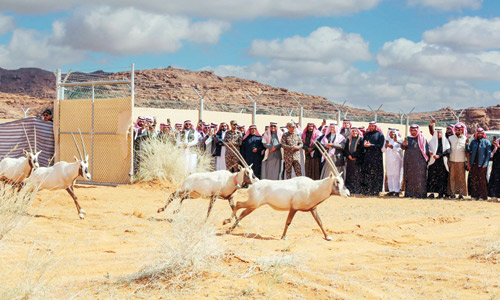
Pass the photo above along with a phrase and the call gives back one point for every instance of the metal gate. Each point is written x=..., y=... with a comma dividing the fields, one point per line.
x=104, y=117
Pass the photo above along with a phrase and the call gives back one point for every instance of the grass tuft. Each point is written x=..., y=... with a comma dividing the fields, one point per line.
x=161, y=160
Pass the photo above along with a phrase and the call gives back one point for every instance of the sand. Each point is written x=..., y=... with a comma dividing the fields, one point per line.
x=382, y=248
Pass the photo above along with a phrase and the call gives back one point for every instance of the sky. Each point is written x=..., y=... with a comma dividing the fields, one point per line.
x=427, y=54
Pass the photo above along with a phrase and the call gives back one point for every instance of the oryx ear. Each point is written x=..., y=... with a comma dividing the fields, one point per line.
x=25, y=152
x=38, y=153
x=331, y=174
x=340, y=175
x=87, y=157
x=250, y=166
x=76, y=158
x=239, y=167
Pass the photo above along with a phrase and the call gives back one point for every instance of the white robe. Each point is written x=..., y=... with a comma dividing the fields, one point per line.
x=220, y=161
x=393, y=166
x=190, y=157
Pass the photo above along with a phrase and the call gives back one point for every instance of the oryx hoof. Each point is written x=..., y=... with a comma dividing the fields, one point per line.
x=328, y=238
x=226, y=221
x=82, y=214
x=283, y=237
x=160, y=210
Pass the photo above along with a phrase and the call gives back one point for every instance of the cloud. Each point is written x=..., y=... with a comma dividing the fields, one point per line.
x=219, y=9
x=448, y=5
x=468, y=33
x=131, y=31
x=6, y=24
x=325, y=44
x=439, y=61
x=29, y=48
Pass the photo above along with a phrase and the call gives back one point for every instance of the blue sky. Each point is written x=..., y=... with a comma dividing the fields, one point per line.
x=403, y=53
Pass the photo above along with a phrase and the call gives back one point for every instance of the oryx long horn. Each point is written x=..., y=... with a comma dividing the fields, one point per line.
x=83, y=144
x=243, y=161
x=27, y=138
x=35, y=139
x=77, y=147
x=327, y=158
x=235, y=152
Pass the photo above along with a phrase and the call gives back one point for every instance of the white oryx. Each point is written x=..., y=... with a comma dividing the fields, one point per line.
x=15, y=170
x=296, y=194
x=222, y=184
x=62, y=175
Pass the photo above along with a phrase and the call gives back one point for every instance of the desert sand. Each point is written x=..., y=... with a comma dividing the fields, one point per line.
x=382, y=248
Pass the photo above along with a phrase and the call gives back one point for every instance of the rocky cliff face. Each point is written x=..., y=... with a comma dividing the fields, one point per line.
x=174, y=88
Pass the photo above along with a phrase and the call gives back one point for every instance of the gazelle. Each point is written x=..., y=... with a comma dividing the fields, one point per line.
x=15, y=170
x=62, y=175
x=222, y=184
x=292, y=195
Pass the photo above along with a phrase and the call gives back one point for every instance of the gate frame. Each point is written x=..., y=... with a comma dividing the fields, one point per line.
x=61, y=84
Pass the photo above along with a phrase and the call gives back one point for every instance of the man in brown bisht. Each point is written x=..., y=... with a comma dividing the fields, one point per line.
x=313, y=156
x=291, y=144
x=415, y=163
x=233, y=137
x=458, y=161
x=480, y=150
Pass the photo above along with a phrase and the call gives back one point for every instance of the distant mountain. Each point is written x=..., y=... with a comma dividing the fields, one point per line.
x=173, y=87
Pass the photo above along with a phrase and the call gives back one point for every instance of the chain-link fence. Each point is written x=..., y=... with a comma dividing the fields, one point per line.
x=101, y=109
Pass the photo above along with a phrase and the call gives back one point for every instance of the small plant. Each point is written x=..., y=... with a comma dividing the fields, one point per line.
x=159, y=159
x=189, y=249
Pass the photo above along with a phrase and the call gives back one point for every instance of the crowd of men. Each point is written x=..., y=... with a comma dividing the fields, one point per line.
x=421, y=168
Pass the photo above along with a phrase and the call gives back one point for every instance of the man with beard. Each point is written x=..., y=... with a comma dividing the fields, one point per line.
x=188, y=138
x=450, y=129
x=271, y=141
x=335, y=144
x=373, y=160
x=458, y=161
x=354, y=154
x=220, y=149
x=480, y=150
x=393, y=161
x=252, y=149
x=233, y=138
x=313, y=156
x=346, y=128
x=415, y=163
x=291, y=144
x=437, y=174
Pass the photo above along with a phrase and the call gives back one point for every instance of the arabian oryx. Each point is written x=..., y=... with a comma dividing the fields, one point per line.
x=62, y=175
x=215, y=184
x=296, y=194
x=15, y=170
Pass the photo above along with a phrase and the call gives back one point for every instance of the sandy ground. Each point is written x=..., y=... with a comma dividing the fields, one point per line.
x=381, y=248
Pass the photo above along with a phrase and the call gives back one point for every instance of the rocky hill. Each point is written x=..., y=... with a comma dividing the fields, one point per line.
x=173, y=87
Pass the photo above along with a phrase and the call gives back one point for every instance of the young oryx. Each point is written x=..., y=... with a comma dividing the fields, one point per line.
x=15, y=170
x=220, y=183
x=62, y=175
x=296, y=194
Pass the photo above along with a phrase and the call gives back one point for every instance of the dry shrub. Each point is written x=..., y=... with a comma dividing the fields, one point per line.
x=160, y=159
x=27, y=280
x=12, y=206
x=188, y=250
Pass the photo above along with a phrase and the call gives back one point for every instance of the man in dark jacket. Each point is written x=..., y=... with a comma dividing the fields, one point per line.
x=480, y=153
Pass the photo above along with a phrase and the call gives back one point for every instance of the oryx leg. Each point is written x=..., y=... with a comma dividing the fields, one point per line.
x=184, y=196
x=81, y=212
x=169, y=200
x=211, y=205
x=233, y=214
x=245, y=213
x=291, y=214
x=314, y=212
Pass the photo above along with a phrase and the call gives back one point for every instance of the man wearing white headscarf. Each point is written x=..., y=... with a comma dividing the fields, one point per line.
x=188, y=138
x=291, y=144
x=271, y=141
x=458, y=161
x=220, y=149
x=373, y=160
x=393, y=161
x=480, y=150
x=437, y=173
